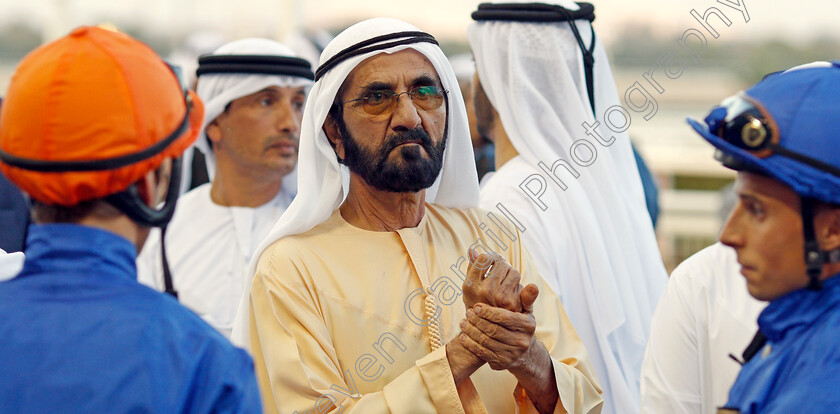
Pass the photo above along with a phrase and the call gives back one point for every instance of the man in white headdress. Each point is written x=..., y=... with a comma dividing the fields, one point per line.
x=572, y=184
x=254, y=91
x=356, y=303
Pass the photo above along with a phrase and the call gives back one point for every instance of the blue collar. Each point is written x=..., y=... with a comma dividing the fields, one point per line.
x=65, y=248
x=798, y=310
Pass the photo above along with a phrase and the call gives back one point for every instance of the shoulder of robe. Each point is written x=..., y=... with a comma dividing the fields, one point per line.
x=702, y=268
x=295, y=244
x=471, y=215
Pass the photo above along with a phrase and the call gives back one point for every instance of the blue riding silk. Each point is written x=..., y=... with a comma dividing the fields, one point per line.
x=798, y=371
x=78, y=334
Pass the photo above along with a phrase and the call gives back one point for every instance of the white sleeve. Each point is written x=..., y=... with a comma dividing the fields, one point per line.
x=674, y=371
x=10, y=264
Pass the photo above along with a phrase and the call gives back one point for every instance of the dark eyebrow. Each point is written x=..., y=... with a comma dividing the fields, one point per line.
x=377, y=87
x=749, y=197
x=425, y=80
x=264, y=92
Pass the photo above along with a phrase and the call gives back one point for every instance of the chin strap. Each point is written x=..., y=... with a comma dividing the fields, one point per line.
x=758, y=342
x=167, y=274
x=813, y=254
x=131, y=204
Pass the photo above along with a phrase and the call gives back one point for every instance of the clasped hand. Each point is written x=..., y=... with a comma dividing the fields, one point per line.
x=499, y=327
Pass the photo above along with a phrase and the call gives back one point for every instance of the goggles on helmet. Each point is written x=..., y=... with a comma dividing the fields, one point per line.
x=743, y=122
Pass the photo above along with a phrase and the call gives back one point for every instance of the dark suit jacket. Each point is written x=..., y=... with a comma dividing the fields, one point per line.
x=14, y=217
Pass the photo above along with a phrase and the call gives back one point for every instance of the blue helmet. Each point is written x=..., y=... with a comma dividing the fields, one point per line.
x=786, y=127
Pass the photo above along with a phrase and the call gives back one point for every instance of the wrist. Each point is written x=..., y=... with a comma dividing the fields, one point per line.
x=462, y=362
x=533, y=365
x=536, y=376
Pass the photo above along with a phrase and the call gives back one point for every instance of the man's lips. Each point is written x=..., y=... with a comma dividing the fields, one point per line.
x=285, y=147
x=746, y=268
x=417, y=142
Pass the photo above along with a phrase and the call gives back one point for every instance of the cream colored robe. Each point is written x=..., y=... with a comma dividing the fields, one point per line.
x=339, y=321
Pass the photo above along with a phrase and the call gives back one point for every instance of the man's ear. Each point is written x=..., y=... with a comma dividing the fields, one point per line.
x=828, y=223
x=147, y=187
x=214, y=131
x=155, y=183
x=487, y=119
x=333, y=133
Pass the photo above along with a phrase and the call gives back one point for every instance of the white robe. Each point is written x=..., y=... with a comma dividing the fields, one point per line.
x=208, y=247
x=573, y=250
x=705, y=314
x=588, y=227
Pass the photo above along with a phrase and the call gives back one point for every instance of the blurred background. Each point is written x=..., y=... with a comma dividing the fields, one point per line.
x=641, y=37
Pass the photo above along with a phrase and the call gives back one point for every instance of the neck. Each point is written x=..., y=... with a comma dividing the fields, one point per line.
x=121, y=226
x=829, y=270
x=371, y=209
x=504, y=151
x=234, y=188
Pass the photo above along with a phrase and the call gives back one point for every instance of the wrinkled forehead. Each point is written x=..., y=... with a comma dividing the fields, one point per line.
x=403, y=68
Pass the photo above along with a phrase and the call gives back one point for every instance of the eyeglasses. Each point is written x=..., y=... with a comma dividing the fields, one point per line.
x=745, y=124
x=380, y=102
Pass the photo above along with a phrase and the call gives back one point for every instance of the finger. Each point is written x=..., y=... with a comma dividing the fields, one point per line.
x=514, y=321
x=503, y=292
x=481, y=264
x=499, y=270
x=511, y=280
x=478, y=265
x=528, y=296
x=471, y=345
x=498, y=333
x=482, y=338
x=480, y=260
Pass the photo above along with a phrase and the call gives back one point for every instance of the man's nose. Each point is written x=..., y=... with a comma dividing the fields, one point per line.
x=286, y=118
x=732, y=234
x=405, y=114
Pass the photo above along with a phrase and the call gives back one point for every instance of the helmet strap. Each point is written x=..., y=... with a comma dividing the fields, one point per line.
x=813, y=254
x=167, y=274
x=132, y=205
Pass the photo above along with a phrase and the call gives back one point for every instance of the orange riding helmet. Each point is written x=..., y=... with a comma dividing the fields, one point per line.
x=88, y=115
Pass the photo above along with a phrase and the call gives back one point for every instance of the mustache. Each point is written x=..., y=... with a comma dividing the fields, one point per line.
x=418, y=135
x=276, y=139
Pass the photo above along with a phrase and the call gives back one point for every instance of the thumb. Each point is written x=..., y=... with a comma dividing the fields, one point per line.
x=528, y=296
x=473, y=254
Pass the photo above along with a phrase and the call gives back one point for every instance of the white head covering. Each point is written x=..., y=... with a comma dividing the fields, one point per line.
x=533, y=74
x=217, y=90
x=323, y=183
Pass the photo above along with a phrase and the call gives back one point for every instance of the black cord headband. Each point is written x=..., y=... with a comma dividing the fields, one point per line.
x=548, y=13
x=370, y=46
x=254, y=64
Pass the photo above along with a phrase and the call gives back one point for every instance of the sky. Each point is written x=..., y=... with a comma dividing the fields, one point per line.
x=446, y=19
